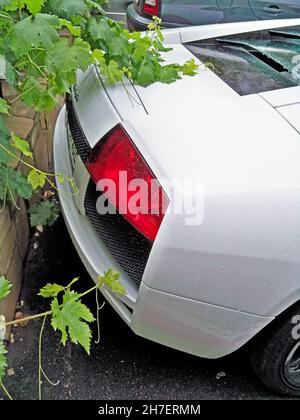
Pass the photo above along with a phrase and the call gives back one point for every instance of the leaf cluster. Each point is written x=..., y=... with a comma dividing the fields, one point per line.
x=70, y=315
x=41, y=65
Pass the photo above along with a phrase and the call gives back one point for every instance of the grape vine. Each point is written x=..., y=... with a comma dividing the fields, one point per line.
x=67, y=313
x=44, y=44
x=41, y=65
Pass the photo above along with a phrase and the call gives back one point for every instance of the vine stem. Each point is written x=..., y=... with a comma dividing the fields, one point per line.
x=27, y=318
x=7, y=17
x=49, y=380
x=40, y=357
x=131, y=98
x=98, y=316
x=23, y=93
x=12, y=196
x=5, y=194
x=91, y=289
x=46, y=174
x=37, y=67
x=63, y=193
x=44, y=315
x=24, y=162
x=5, y=391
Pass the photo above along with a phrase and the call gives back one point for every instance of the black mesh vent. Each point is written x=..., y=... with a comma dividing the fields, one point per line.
x=128, y=246
x=77, y=133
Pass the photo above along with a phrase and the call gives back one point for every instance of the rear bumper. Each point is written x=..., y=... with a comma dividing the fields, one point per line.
x=191, y=326
x=136, y=22
x=188, y=325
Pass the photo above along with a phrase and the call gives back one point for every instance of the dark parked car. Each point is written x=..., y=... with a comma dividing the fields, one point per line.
x=176, y=13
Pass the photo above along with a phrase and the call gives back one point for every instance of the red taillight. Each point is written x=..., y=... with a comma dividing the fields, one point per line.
x=118, y=160
x=151, y=7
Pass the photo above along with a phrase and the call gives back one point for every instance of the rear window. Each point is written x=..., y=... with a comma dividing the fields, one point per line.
x=253, y=62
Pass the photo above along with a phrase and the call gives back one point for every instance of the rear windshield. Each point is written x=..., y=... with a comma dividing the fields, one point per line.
x=254, y=62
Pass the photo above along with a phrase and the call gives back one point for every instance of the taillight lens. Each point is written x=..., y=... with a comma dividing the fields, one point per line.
x=151, y=7
x=117, y=159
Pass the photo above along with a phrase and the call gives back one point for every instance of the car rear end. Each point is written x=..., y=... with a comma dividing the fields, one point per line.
x=140, y=13
x=109, y=240
x=150, y=262
x=205, y=289
x=174, y=14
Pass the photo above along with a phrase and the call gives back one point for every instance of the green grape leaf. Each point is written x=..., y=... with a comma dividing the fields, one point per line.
x=100, y=29
x=34, y=6
x=72, y=319
x=5, y=287
x=3, y=360
x=12, y=5
x=51, y=290
x=118, y=288
x=4, y=107
x=22, y=145
x=160, y=47
x=118, y=46
x=169, y=74
x=74, y=30
x=95, y=5
x=111, y=280
x=67, y=8
x=36, y=179
x=60, y=178
x=112, y=71
x=97, y=55
x=34, y=32
x=36, y=96
x=64, y=59
x=12, y=184
x=43, y=214
x=190, y=68
x=147, y=72
x=139, y=53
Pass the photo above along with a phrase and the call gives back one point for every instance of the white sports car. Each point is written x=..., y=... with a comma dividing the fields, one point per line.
x=212, y=261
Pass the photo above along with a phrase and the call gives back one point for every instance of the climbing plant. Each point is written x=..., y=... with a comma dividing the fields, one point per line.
x=40, y=65
x=67, y=314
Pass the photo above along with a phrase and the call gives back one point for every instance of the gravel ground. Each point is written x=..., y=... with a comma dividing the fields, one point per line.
x=122, y=366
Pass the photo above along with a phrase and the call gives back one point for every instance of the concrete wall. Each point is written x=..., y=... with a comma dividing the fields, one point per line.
x=14, y=226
